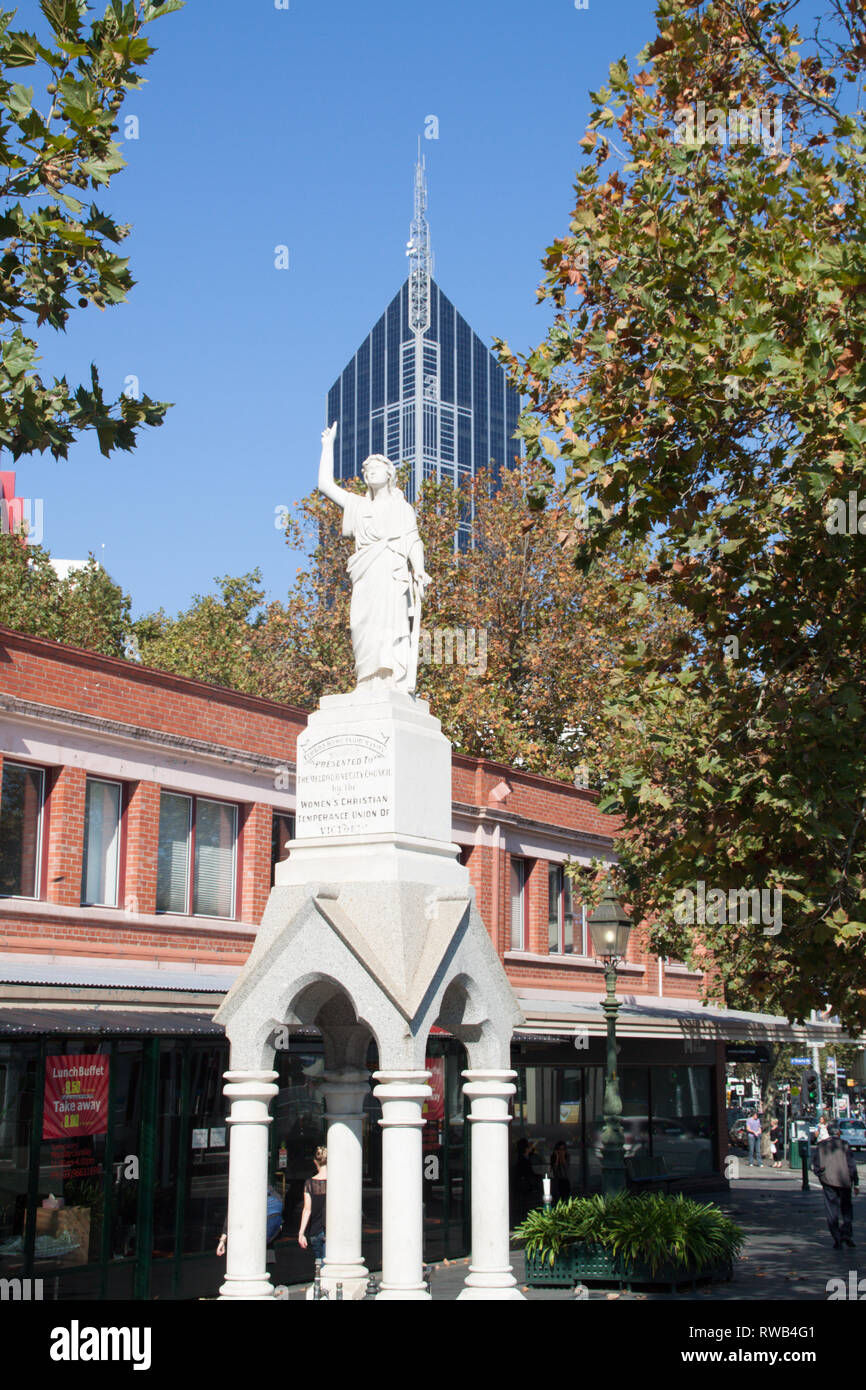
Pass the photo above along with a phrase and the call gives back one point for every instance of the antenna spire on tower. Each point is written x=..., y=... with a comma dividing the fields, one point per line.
x=418, y=251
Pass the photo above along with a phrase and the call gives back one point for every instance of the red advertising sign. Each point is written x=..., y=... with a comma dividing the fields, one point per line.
x=434, y=1108
x=76, y=1096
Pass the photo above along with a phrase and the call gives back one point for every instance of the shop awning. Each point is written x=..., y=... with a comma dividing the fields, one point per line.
x=29, y=1020
x=557, y=1014
x=106, y=974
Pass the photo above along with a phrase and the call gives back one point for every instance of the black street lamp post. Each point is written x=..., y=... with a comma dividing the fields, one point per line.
x=609, y=928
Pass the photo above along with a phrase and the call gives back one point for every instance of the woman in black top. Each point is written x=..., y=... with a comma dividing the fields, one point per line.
x=313, y=1214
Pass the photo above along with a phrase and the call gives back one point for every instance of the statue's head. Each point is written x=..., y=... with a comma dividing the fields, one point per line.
x=377, y=471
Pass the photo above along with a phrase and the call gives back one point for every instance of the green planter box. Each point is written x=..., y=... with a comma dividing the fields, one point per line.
x=574, y=1265
x=593, y=1262
x=540, y=1273
x=584, y=1264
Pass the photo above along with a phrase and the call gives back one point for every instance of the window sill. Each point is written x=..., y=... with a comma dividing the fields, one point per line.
x=576, y=962
x=37, y=908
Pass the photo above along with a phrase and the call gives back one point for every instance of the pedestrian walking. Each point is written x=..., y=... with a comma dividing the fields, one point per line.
x=837, y=1173
x=753, y=1133
x=823, y=1130
x=274, y=1220
x=776, y=1143
x=527, y=1184
x=313, y=1212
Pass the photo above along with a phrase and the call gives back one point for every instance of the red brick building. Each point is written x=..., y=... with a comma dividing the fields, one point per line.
x=141, y=818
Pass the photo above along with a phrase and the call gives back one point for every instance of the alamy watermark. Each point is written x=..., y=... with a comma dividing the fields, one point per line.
x=22, y=516
x=454, y=646
x=715, y=907
x=855, y=1289
x=732, y=125
x=847, y=516
x=21, y=1290
x=77, y=1343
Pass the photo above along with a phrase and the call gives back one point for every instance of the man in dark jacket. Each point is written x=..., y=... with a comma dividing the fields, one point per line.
x=837, y=1172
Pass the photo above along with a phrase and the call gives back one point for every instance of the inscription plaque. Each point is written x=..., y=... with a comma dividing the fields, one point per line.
x=345, y=784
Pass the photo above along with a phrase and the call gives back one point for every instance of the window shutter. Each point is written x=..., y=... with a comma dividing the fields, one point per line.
x=554, y=908
x=215, y=837
x=567, y=914
x=173, y=863
x=518, y=884
x=101, y=843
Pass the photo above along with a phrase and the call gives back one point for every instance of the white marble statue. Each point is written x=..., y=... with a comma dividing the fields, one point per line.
x=386, y=569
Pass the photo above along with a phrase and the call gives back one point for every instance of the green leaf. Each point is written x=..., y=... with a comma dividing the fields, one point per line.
x=19, y=100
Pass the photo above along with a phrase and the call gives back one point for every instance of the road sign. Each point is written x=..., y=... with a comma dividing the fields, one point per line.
x=801, y=1061
x=746, y=1052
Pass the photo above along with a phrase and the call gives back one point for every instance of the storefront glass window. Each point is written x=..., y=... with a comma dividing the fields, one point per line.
x=18, y=1070
x=126, y=1148
x=71, y=1190
x=207, y=1155
x=682, y=1126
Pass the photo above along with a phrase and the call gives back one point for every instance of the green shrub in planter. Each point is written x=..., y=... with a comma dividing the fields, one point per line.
x=651, y=1229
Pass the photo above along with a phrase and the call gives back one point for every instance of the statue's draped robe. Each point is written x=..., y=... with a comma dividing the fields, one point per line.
x=384, y=534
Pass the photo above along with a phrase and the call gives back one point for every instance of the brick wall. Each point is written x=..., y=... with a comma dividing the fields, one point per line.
x=142, y=844
x=537, y=906
x=71, y=679
x=65, y=798
x=118, y=938
x=256, y=870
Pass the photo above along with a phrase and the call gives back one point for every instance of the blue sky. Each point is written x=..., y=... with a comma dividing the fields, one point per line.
x=261, y=127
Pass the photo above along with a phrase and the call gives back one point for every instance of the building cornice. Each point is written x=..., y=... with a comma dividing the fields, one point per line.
x=489, y=815
x=50, y=716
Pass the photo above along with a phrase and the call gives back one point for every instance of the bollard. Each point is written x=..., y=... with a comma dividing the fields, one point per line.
x=804, y=1160
x=318, y=1291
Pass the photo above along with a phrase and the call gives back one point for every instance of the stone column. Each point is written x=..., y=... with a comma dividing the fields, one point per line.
x=344, y=1093
x=250, y=1093
x=490, y=1275
x=402, y=1094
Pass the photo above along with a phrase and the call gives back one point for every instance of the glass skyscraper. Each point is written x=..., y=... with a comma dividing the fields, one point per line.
x=423, y=388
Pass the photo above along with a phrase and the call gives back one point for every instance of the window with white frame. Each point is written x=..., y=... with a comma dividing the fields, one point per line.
x=100, y=870
x=22, y=797
x=197, y=861
x=566, y=920
x=518, y=904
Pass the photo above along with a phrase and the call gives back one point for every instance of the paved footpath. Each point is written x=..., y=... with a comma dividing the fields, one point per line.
x=788, y=1252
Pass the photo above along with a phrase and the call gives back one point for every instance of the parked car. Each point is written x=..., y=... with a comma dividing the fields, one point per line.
x=737, y=1135
x=854, y=1134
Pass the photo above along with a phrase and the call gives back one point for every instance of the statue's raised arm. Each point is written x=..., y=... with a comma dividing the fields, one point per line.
x=326, y=469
